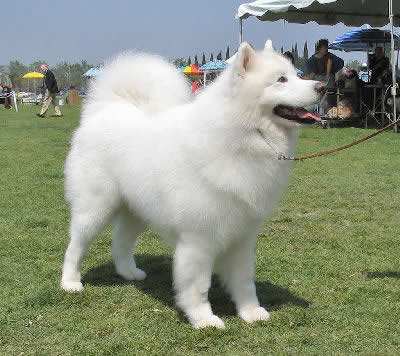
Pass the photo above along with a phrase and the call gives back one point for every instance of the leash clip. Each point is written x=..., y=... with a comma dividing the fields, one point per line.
x=282, y=157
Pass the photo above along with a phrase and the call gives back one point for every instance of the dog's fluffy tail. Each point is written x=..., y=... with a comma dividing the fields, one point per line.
x=146, y=81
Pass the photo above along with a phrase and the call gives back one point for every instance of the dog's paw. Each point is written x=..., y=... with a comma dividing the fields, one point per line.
x=211, y=321
x=70, y=286
x=133, y=274
x=252, y=314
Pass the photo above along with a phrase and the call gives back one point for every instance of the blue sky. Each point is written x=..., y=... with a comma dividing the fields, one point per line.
x=73, y=30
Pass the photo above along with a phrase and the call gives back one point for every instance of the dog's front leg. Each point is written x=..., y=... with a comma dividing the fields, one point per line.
x=236, y=270
x=193, y=265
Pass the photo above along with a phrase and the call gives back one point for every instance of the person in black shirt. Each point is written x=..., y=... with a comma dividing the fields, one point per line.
x=51, y=91
x=322, y=64
x=379, y=65
x=322, y=70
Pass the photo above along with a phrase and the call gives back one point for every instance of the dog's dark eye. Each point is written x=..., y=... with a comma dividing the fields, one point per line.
x=282, y=79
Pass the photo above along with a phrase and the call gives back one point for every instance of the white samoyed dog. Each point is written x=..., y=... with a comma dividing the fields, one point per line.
x=204, y=173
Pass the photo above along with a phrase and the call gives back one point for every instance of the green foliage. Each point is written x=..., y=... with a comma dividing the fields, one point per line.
x=354, y=65
x=219, y=56
x=179, y=62
x=16, y=70
x=301, y=63
x=196, y=61
x=189, y=61
x=76, y=71
x=327, y=265
x=35, y=66
x=62, y=72
x=211, y=57
x=203, y=59
x=3, y=70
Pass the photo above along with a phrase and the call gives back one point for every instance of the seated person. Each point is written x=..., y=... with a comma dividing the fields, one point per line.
x=7, y=86
x=348, y=79
x=321, y=66
x=379, y=65
x=350, y=84
x=322, y=69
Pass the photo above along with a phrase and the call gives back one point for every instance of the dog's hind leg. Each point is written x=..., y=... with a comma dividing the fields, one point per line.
x=236, y=270
x=127, y=228
x=192, y=279
x=89, y=214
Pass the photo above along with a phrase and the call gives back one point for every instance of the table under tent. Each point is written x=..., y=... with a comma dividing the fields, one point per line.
x=371, y=98
x=330, y=12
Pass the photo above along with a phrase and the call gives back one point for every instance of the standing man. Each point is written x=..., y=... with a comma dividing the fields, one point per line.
x=51, y=90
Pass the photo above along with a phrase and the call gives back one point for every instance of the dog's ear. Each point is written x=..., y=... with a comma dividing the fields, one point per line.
x=268, y=46
x=244, y=58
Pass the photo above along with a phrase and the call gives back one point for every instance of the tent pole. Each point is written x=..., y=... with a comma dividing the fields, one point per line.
x=394, y=82
x=15, y=101
x=241, y=31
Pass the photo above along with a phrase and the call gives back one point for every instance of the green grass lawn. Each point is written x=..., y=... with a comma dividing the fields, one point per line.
x=327, y=267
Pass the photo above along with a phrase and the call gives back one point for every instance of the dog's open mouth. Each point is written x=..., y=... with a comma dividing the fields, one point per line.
x=300, y=115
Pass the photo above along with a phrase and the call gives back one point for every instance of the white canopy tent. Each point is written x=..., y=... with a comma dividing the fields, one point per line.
x=329, y=12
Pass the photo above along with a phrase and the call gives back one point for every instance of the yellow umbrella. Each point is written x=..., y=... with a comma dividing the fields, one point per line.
x=33, y=75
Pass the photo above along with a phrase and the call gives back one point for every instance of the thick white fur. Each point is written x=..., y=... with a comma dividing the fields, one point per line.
x=201, y=173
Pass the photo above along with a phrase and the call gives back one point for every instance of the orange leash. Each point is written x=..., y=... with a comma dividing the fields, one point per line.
x=283, y=157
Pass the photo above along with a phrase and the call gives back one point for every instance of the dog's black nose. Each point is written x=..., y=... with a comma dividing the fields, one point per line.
x=320, y=88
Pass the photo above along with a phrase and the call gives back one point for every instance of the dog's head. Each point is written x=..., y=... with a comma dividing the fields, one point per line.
x=268, y=82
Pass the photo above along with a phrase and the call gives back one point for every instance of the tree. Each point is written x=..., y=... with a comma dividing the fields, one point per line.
x=203, y=60
x=3, y=71
x=16, y=70
x=296, y=53
x=305, y=51
x=227, y=55
x=189, y=61
x=71, y=75
x=219, y=56
x=282, y=50
x=196, y=61
x=354, y=65
x=85, y=65
x=76, y=72
x=179, y=62
x=211, y=57
x=35, y=66
x=302, y=64
x=62, y=72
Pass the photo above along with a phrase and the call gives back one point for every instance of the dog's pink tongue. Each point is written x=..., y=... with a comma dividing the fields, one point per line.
x=304, y=114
